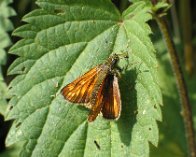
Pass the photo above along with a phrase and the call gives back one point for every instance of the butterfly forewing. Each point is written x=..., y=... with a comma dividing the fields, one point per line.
x=80, y=90
x=111, y=103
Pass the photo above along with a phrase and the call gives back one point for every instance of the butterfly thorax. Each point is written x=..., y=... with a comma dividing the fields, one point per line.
x=112, y=61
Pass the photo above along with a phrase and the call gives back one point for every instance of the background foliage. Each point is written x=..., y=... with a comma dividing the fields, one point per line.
x=57, y=44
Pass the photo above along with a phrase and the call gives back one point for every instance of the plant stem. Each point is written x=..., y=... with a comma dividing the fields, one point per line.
x=186, y=107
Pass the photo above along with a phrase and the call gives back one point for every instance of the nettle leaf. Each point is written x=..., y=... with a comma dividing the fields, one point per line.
x=5, y=26
x=62, y=40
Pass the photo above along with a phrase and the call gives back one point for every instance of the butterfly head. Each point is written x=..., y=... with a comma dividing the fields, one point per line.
x=114, y=58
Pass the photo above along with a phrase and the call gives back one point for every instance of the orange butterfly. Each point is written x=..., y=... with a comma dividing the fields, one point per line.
x=98, y=89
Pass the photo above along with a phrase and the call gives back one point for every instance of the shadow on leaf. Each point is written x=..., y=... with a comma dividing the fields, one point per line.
x=129, y=107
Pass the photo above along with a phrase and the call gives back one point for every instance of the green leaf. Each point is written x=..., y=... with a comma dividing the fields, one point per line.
x=5, y=26
x=62, y=40
x=3, y=91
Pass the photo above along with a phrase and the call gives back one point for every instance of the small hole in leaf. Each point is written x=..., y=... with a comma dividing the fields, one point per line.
x=97, y=145
x=57, y=11
x=18, y=124
x=11, y=107
x=23, y=69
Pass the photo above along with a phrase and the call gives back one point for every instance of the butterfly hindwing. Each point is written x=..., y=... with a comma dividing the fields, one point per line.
x=107, y=100
x=111, y=103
